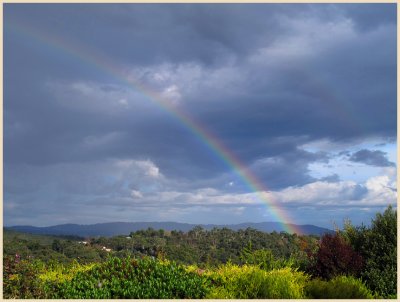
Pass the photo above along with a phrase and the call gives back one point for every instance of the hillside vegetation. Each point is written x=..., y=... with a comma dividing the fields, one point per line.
x=358, y=262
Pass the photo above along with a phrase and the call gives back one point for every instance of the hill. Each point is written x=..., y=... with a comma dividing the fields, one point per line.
x=124, y=228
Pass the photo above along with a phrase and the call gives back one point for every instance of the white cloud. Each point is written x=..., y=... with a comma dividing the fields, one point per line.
x=205, y=197
x=184, y=82
x=317, y=193
x=376, y=191
x=146, y=168
x=136, y=194
x=172, y=93
x=381, y=190
x=149, y=168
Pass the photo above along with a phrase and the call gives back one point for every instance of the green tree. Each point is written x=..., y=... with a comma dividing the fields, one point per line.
x=381, y=253
x=57, y=246
x=378, y=246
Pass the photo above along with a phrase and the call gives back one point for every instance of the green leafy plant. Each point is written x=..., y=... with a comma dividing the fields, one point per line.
x=340, y=287
x=264, y=259
x=135, y=279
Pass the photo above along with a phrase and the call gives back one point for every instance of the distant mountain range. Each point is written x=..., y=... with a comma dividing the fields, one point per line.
x=124, y=228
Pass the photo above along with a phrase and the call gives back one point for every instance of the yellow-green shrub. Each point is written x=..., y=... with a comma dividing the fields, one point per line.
x=341, y=287
x=265, y=259
x=59, y=273
x=249, y=282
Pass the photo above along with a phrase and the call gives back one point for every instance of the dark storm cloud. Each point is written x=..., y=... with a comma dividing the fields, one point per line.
x=371, y=157
x=265, y=79
x=369, y=17
x=333, y=88
x=290, y=168
x=148, y=33
x=272, y=98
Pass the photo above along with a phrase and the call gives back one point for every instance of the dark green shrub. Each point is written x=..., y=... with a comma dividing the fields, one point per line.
x=341, y=287
x=135, y=279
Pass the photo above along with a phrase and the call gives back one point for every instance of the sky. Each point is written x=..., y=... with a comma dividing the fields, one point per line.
x=199, y=113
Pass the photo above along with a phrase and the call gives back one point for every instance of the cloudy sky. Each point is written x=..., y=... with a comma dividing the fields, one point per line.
x=109, y=112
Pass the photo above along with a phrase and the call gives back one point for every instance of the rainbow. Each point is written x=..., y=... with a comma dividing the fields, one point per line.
x=104, y=65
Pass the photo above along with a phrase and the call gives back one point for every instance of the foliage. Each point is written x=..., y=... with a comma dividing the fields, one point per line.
x=59, y=273
x=264, y=259
x=33, y=278
x=340, y=287
x=336, y=257
x=207, y=247
x=248, y=282
x=378, y=246
x=20, y=278
x=62, y=249
x=200, y=246
x=135, y=279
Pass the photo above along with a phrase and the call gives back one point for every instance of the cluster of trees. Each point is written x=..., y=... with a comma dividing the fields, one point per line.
x=368, y=253
x=211, y=247
x=62, y=249
x=198, y=246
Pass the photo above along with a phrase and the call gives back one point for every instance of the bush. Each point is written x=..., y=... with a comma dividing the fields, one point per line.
x=251, y=282
x=341, y=287
x=32, y=278
x=20, y=279
x=336, y=257
x=57, y=273
x=135, y=279
x=264, y=259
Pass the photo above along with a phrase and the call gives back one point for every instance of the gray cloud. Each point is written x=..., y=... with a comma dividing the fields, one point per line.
x=371, y=157
x=331, y=178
